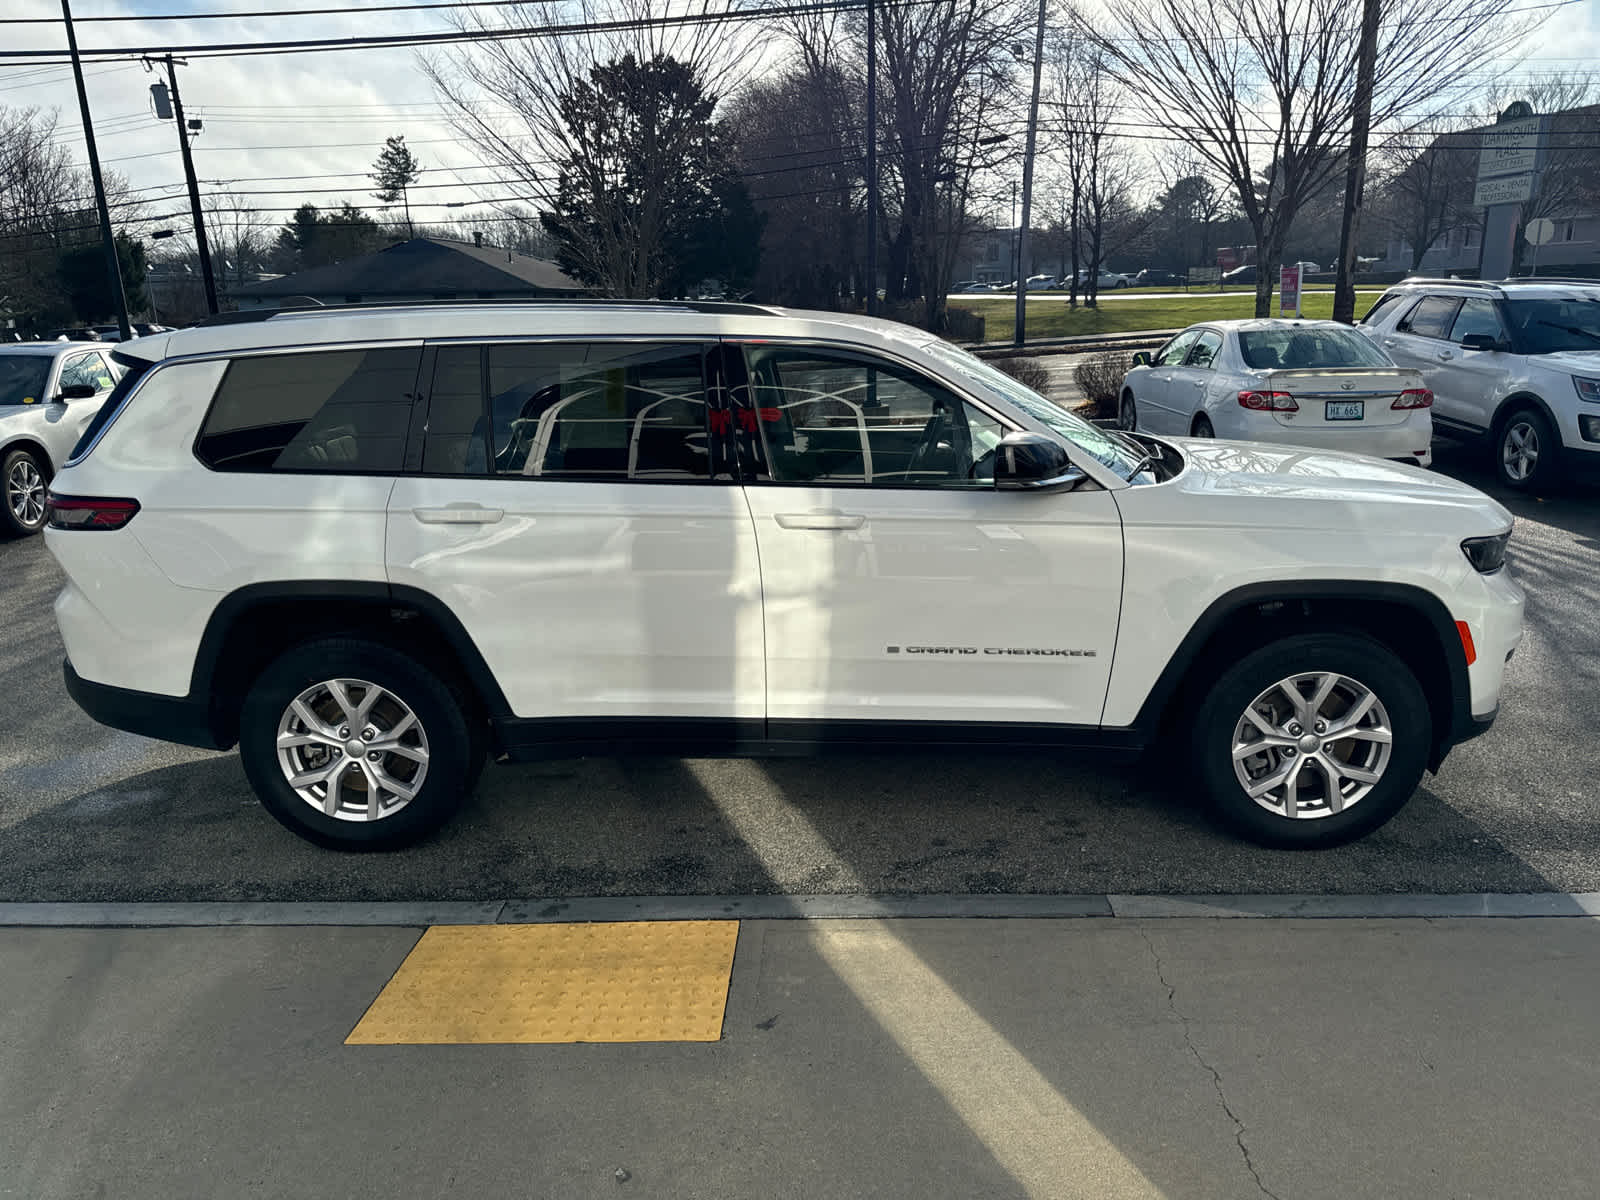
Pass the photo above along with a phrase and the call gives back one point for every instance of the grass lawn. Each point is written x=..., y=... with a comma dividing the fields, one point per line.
x=1050, y=317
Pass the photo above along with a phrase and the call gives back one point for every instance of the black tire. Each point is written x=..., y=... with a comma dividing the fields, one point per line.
x=1354, y=656
x=1203, y=428
x=1527, y=429
x=17, y=468
x=1128, y=413
x=455, y=742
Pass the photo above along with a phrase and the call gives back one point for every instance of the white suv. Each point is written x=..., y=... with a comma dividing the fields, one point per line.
x=1516, y=362
x=372, y=546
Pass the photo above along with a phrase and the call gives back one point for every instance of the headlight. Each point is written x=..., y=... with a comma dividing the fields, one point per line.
x=1588, y=389
x=1487, y=554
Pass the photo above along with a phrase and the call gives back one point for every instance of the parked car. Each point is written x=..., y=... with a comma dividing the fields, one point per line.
x=370, y=583
x=1306, y=267
x=968, y=285
x=73, y=334
x=1105, y=280
x=1159, y=277
x=49, y=392
x=1301, y=383
x=1039, y=283
x=1515, y=363
x=1244, y=274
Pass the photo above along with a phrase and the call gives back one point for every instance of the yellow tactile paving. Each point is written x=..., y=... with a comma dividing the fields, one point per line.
x=627, y=981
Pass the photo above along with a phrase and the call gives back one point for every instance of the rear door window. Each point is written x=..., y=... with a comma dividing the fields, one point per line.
x=329, y=412
x=570, y=410
x=1431, y=317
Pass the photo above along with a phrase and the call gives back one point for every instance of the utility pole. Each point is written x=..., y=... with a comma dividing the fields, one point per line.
x=872, y=158
x=200, y=243
x=113, y=267
x=1027, y=180
x=1344, y=284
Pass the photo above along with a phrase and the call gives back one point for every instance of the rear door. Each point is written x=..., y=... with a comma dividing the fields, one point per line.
x=571, y=505
x=900, y=586
x=1422, y=332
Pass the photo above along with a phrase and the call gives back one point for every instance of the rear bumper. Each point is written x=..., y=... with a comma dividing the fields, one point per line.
x=1406, y=441
x=169, y=718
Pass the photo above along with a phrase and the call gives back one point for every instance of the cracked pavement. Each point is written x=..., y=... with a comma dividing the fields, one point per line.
x=900, y=1059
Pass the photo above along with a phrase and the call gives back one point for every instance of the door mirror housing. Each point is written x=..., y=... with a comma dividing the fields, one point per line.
x=1033, y=462
x=77, y=391
x=1142, y=358
x=1482, y=341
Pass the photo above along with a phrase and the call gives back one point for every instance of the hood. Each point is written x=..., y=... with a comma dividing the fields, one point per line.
x=1322, y=488
x=1573, y=362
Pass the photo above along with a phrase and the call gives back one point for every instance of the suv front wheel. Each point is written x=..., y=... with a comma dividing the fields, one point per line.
x=355, y=746
x=1525, y=451
x=1313, y=740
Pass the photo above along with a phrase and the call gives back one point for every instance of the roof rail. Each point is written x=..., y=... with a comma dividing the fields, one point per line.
x=1591, y=281
x=246, y=316
x=1487, y=285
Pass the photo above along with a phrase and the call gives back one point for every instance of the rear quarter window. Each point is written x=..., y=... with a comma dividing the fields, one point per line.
x=329, y=412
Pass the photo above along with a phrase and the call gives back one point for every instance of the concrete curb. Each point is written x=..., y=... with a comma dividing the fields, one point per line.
x=779, y=908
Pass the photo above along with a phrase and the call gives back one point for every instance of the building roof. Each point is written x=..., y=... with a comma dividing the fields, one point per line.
x=425, y=268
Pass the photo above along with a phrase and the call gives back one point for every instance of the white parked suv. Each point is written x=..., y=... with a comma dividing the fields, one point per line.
x=372, y=546
x=1517, y=363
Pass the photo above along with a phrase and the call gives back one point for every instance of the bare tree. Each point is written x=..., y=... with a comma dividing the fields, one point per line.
x=1101, y=173
x=1429, y=194
x=1263, y=90
x=512, y=98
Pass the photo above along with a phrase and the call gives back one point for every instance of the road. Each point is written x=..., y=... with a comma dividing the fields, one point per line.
x=87, y=813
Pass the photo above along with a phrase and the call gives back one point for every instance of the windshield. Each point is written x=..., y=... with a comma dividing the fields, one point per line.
x=1299, y=348
x=1100, y=445
x=1551, y=326
x=22, y=378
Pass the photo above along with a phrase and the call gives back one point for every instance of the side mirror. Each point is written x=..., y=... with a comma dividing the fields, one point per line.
x=77, y=391
x=1482, y=341
x=1142, y=358
x=1031, y=461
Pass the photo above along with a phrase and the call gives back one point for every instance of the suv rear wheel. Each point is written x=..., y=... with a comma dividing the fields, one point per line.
x=355, y=746
x=1526, y=450
x=1313, y=740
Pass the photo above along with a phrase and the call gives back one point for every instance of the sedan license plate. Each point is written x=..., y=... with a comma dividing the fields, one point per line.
x=1345, y=410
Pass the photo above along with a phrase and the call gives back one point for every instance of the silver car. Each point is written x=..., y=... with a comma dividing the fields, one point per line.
x=49, y=391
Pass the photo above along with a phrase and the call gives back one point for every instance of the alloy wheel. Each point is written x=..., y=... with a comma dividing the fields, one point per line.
x=1312, y=745
x=352, y=750
x=25, y=492
x=1519, y=450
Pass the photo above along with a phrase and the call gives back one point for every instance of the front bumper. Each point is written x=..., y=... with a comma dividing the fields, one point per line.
x=169, y=718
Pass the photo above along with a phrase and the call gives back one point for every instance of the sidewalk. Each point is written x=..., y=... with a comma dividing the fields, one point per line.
x=1185, y=1057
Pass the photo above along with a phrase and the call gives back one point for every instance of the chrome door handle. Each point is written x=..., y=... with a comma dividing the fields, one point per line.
x=1199, y=383
x=459, y=514
x=1390, y=342
x=822, y=519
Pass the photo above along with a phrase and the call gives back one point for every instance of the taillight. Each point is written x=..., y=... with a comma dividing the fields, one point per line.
x=1414, y=398
x=1268, y=401
x=88, y=512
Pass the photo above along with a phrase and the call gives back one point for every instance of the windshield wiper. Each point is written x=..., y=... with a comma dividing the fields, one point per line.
x=1577, y=329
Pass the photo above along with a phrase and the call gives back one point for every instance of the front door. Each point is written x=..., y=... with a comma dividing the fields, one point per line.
x=573, y=508
x=899, y=585
x=1158, y=409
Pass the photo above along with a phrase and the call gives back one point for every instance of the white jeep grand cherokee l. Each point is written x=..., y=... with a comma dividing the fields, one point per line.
x=373, y=546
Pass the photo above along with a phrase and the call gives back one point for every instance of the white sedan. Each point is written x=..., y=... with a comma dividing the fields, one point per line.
x=1301, y=383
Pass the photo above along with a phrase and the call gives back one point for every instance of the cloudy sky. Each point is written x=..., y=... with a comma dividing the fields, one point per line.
x=288, y=128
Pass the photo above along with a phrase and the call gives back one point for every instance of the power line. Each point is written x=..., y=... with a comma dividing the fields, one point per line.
x=281, y=12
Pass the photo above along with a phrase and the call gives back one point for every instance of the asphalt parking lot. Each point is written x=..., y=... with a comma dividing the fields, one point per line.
x=87, y=813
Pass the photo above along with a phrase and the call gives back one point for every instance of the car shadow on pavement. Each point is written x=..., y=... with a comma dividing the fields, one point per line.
x=935, y=822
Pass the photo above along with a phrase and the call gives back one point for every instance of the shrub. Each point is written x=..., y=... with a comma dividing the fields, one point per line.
x=1099, y=378
x=1029, y=372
